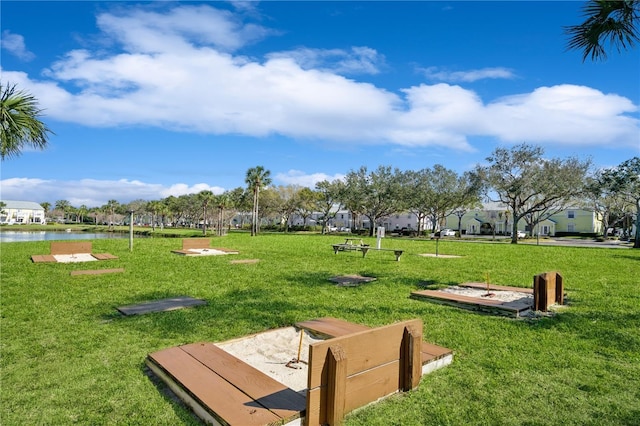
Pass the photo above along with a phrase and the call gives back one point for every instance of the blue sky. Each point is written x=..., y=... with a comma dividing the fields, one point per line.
x=166, y=98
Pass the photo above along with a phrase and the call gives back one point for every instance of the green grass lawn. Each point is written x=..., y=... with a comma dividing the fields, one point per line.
x=67, y=355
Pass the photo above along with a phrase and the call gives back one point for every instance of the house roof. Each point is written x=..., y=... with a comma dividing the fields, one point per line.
x=22, y=205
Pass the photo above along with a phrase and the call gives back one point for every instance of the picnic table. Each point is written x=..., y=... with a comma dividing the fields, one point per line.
x=357, y=244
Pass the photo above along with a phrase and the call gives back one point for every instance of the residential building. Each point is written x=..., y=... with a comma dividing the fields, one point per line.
x=21, y=212
x=498, y=216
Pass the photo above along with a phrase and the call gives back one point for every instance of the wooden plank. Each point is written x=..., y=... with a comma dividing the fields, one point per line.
x=334, y=327
x=365, y=349
x=360, y=390
x=226, y=402
x=467, y=302
x=70, y=247
x=226, y=250
x=104, y=256
x=459, y=298
x=336, y=384
x=97, y=271
x=43, y=258
x=331, y=327
x=269, y=393
x=183, y=252
x=559, y=289
x=410, y=359
x=483, y=286
x=162, y=305
x=195, y=243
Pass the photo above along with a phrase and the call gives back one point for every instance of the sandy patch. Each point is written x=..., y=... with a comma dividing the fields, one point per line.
x=70, y=258
x=502, y=295
x=207, y=252
x=444, y=256
x=270, y=352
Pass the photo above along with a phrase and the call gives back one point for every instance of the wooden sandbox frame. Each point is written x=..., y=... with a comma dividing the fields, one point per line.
x=70, y=248
x=344, y=373
x=191, y=244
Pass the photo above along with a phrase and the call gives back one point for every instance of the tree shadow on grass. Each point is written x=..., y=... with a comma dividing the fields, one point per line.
x=610, y=331
x=253, y=309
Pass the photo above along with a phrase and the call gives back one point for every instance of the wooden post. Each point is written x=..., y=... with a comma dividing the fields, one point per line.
x=336, y=385
x=559, y=289
x=411, y=359
x=545, y=290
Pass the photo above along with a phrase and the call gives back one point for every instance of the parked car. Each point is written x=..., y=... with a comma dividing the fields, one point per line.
x=521, y=234
x=446, y=232
x=410, y=232
x=333, y=228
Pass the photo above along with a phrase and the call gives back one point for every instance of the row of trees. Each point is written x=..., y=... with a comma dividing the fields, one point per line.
x=533, y=187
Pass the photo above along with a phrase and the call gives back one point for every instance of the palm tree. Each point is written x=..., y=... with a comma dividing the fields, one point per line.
x=256, y=179
x=46, y=206
x=111, y=207
x=205, y=198
x=153, y=207
x=63, y=205
x=20, y=123
x=82, y=212
x=223, y=201
x=614, y=21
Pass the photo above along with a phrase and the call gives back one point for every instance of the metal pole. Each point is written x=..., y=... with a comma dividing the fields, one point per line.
x=131, y=230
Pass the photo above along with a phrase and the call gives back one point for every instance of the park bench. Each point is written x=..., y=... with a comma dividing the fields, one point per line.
x=356, y=366
x=70, y=248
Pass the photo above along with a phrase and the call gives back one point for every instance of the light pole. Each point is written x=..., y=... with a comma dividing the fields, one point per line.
x=130, y=230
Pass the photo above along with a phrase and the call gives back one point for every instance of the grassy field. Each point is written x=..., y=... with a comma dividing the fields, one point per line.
x=67, y=355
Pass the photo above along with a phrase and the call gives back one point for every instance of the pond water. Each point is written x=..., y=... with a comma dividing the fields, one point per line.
x=22, y=236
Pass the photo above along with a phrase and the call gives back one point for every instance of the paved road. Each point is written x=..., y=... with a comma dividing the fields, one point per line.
x=574, y=242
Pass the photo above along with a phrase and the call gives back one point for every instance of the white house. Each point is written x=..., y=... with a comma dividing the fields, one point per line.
x=21, y=212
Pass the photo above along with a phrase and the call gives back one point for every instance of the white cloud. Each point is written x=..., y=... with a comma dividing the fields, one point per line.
x=176, y=71
x=92, y=192
x=359, y=60
x=297, y=177
x=469, y=76
x=14, y=44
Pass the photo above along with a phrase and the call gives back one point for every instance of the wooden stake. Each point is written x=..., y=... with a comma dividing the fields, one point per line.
x=300, y=345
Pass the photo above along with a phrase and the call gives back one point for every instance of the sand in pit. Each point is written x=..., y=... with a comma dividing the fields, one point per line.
x=502, y=295
x=71, y=258
x=208, y=252
x=270, y=352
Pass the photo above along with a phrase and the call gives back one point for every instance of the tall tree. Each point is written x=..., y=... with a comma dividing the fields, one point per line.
x=20, y=123
x=288, y=203
x=625, y=180
x=306, y=204
x=467, y=196
x=154, y=207
x=111, y=207
x=529, y=184
x=205, y=198
x=328, y=201
x=63, y=205
x=256, y=179
x=82, y=212
x=375, y=194
x=46, y=206
x=612, y=21
x=222, y=202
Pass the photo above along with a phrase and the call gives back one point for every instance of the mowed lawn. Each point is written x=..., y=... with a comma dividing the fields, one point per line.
x=67, y=355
